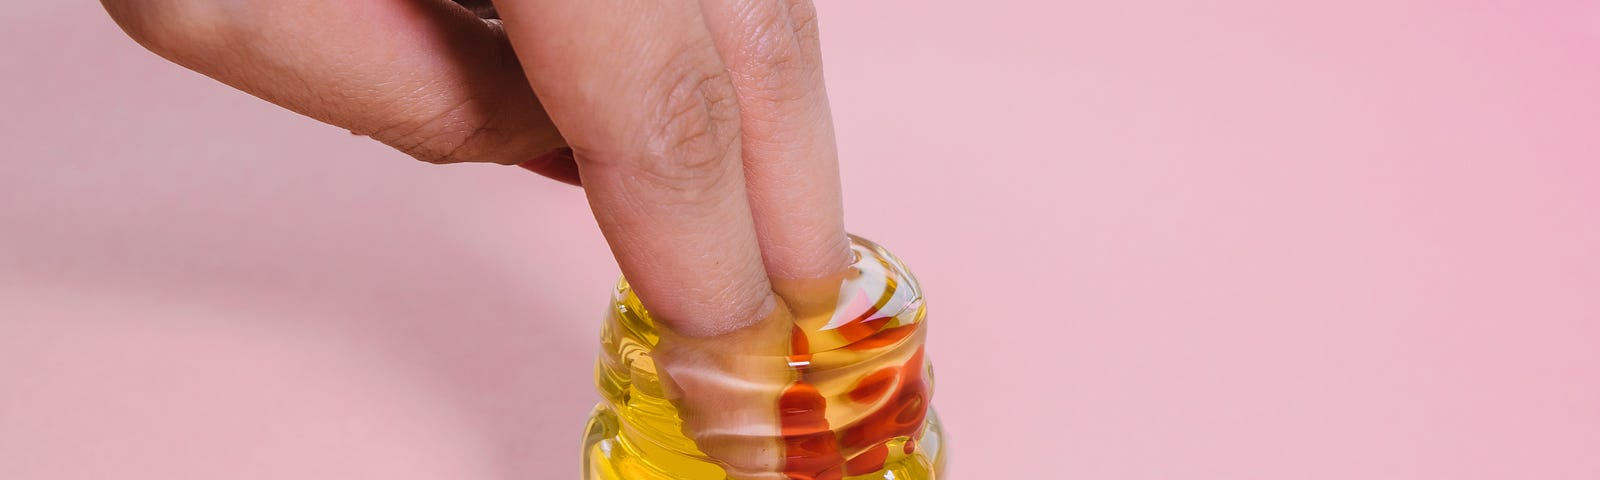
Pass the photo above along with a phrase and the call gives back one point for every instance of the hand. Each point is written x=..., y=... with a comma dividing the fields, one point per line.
x=700, y=129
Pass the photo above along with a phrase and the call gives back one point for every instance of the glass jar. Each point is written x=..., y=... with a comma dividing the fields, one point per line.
x=848, y=396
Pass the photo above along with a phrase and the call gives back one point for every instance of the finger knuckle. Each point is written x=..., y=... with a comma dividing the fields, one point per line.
x=668, y=181
x=693, y=125
x=779, y=59
x=803, y=16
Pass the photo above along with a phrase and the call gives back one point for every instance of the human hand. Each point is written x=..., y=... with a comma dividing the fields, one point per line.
x=699, y=130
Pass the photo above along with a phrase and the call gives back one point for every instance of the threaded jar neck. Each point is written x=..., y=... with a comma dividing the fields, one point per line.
x=858, y=386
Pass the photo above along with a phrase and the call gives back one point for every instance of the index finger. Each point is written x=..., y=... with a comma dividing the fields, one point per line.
x=641, y=95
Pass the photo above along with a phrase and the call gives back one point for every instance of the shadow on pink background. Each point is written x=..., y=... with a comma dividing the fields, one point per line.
x=1161, y=240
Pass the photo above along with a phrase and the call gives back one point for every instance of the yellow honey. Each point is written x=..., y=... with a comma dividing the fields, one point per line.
x=851, y=400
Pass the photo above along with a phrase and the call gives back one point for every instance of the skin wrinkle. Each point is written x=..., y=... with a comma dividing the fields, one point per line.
x=695, y=102
x=771, y=58
x=478, y=132
x=438, y=137
x=803, y=19
x=412, y=141
x=439, y=131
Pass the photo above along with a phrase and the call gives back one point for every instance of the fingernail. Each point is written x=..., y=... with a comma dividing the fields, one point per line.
x=563, y=154
x=558, y=164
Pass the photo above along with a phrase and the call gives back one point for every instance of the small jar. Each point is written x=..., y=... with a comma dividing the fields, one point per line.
x=848, y=400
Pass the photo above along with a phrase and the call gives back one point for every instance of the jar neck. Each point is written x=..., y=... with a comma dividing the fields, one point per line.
x=852, y=383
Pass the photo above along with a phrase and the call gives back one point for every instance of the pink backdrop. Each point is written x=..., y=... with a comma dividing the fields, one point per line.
x=1243, y=239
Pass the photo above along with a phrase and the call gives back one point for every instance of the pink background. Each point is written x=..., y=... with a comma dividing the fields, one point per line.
x=1162, y=240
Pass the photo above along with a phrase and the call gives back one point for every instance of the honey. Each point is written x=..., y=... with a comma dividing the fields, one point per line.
x=838, y=396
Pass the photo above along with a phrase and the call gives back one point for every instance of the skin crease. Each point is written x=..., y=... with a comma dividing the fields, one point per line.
x=699, y=130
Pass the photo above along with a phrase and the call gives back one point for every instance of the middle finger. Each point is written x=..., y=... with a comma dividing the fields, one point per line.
x=641, y=95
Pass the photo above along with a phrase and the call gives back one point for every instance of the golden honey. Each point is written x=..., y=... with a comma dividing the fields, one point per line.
x=837, y=397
